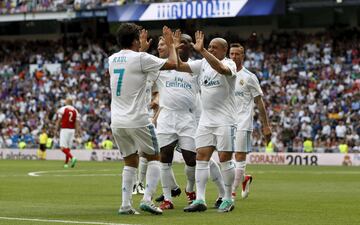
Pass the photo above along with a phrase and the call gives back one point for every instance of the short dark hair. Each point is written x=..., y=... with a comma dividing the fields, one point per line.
x=236, y=45
x=127, y=33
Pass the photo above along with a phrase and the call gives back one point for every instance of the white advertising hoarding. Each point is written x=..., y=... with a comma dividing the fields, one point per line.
x=302, y=159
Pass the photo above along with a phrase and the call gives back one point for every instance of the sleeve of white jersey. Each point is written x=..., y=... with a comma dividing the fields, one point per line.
x=254, y=86
x=154, y=88
x=150, y=63
x=231, y=65
x=153, y=76
x=195, y=66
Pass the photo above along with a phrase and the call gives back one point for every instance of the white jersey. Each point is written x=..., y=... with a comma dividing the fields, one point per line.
x=246, y=89
x=177, y=90
x=217, y=93
x=149, y=90
x=129, y=73
x=198, y=107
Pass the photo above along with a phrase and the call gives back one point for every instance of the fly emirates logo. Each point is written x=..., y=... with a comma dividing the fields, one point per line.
x=178, y=82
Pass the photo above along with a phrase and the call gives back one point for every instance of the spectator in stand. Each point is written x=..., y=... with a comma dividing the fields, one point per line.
x=340, y=130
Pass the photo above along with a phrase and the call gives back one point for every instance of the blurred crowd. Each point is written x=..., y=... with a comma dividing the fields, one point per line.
x=311, y=85
x=30, y=6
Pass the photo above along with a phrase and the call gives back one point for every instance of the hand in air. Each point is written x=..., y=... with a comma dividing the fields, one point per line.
x=199, y=44
x=144, y=42
x=168, y=36
x=177, y=39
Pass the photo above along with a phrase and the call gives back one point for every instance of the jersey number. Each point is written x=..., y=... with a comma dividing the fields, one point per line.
x=70, y=117
x=119, y=83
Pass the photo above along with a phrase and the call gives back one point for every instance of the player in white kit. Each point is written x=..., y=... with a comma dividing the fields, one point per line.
x=216, y=130
x=176, y=122
x=130, y=119
x=139, y=185
x=247, y=93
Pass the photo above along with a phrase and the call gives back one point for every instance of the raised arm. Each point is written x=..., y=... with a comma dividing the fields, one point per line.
x=171, y=62
x=182, y=66
x=215, y=63
x=266, y=130
x=144, y=42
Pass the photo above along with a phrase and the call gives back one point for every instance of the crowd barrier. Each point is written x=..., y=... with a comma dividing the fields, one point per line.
x=301, y=159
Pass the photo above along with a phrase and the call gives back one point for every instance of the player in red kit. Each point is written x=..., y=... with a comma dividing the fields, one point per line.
x=68, y=120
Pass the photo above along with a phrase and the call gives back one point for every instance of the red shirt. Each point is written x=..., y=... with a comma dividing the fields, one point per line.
x=69, y=115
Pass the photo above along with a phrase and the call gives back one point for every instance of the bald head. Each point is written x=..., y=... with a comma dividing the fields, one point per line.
x=186, y=37
x=68, y=101
x=218, y=47
x=221, y=41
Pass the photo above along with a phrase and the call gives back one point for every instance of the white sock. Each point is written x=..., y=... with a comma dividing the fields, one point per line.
x=142, y=169
x=128, y=175
x=190, y=175
x=166, y=179
x=201, y=177
x=228, y=173
x=217, y=178
x=152, y=179
x=239, y=174
x=173, y=183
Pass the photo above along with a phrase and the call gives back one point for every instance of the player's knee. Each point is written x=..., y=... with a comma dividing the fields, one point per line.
x=167, y=153
x=165, y=158
x=189, y=157
x=225, y=156
x=132, y=160
x=203, y=155
x=155, y=157
x=240, y=156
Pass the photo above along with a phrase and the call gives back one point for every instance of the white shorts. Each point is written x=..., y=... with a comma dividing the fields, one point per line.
x=176, y=126
x=66, y=137
x=222, y=138
x=132, y=140
x=243, y=141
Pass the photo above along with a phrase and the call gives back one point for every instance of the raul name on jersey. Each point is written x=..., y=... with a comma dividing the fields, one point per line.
x=121, y=59
x=178, y=82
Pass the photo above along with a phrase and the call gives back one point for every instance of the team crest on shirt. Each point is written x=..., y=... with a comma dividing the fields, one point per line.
x=242, y=82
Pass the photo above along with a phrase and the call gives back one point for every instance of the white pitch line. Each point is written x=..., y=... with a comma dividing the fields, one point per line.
x=61, y=221
x=39, y=173
x=88, y=175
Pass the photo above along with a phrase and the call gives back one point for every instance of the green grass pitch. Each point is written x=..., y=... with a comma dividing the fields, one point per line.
x=91, y=192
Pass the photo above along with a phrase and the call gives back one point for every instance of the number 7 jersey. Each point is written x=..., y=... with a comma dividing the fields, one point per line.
x=129, y=72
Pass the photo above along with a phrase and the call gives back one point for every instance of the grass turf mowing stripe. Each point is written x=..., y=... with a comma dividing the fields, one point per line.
x=61, y=221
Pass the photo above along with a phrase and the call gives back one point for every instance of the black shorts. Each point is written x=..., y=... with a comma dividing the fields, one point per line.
x=43, y=147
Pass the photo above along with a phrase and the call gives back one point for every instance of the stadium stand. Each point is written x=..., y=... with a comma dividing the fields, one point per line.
x=24, y=6
x=311, y=84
